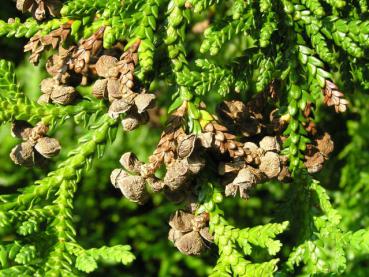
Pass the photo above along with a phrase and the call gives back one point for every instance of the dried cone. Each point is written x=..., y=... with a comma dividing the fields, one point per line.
x=114, y=91
x=206, y=139
x=270, y=164
x=224, y=141
x=23, y=154
x=325, y=145
x=116, y=175
x=130, y=162
x=195, y=164
x=120, y=77
x=189, y=232
x=100, y=90
x=21, y=129
x=174, y=235
x=231, y=111
x=155, y=184
x=118, y=107
x=38, y=132
x=269, y=143
x=48, y=85
x=240, y=118
x=230, y=167
x=284, y=174
x=126, y=64
x=166, y=150
x=191, y=244
x=205, y=234
x=44, y=99
x=81, y=57
x=40, y=8
x=144, y=102
x=133, y=120
x=252, y=153
x=57, y=65
x=177, y=175
x=314, y=163
x=36, y=47
x=133, y=188
x=48, y=147
x=56, y=93
x=24, y=5
x=105, y=67
x=181, y=221
x=38, y=42
x=63, y=95
x=186, y=145
x=334, y=97
x=246, y=178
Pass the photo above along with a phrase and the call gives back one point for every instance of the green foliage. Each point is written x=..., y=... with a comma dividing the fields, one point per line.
x=65, y=219
x=229, y=239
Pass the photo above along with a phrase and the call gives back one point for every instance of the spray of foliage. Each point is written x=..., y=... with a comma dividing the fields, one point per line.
x=237, y=90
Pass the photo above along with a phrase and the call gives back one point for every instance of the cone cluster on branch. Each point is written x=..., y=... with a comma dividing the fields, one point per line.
x=118, y=75
x=39, y=43
x=75, y=64
x=189, y=232
x=87, y=50
x=72, y=66
x=36, y=146
x=244, y=141
x=40, y=8
x=68, y=67
x=130, y=182
x=118, y=87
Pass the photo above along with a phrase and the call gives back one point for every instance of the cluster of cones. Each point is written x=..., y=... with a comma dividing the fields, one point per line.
x=40, y=8
x=36, y=147
x=243, y=141
x=117, y=85
x=79, y=63
x=69, y=66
